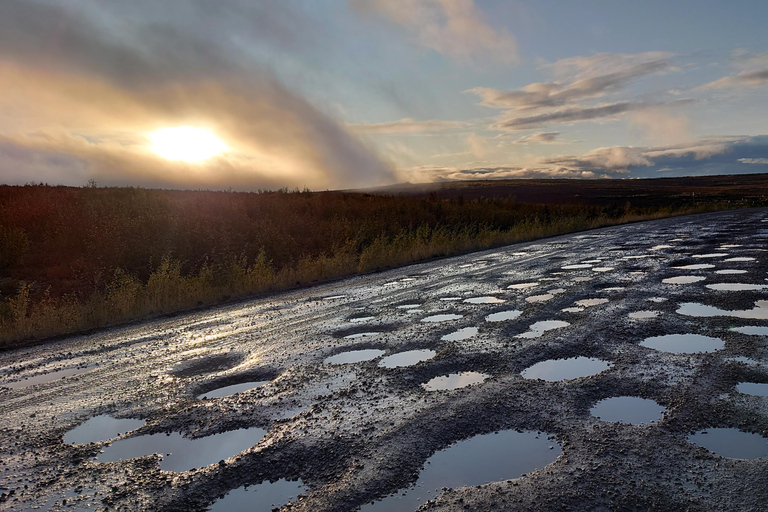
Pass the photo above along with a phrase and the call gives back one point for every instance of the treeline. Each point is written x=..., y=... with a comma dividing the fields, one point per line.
x=73, y=259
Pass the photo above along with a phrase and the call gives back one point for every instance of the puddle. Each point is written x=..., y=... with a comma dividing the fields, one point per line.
x=759, y=312
x=454, y=381
x=555, y=291
x=361, y=335
x=638, y=315
x=539, y=328
x=596, y=260
x=409, y=358
x=628, y=409
x=263, y=497
x=582, y=279
x=657, y=299
x=684, y=343
x=450, y=299
x=208, y=364
x=180, y=453
x=334, y=297
x=100, y=428
x=461, y=334
x=730, y=271
x=662, y=246
x=539, y=298
x=554, y=370
x=590, y=302
x=683, y=279
x=502, y=316
x=602, y=269
x=741, y=258
x=731, y=443
x=695, y=266
x=730, y=246
x=231, y=390
x=736, y=287
x=361, y=319
x=522, y=286
x=613, y=289
x=756, y=330
x=442, y=318
x=572, y=310
x=752, y=388
x=635, y=257
x=478, y=460
x=408, y=306
x=575, y=266
x=47, y=377
x=710, y=255
x=484, y=300
x=742, y=359
x=354, y=356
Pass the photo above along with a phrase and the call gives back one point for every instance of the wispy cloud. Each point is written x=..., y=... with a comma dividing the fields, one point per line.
x=407, y=125
x=539, y=138
x=752, y=78
x=754, y=161
x=455, y=28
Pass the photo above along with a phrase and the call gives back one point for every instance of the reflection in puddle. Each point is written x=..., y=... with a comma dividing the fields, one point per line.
x=752, y=388
x=736, y=287
x=442, y=318
x=590, y=302
x=47, y=377
x=454, y=381
x=354, y=356
x=554, y=370
x=741, y=258
x=683, y=279
x=484, y=300
x=100, y=428
x=539, y=298
x=501, y=316
x=628, y=409
x=361, y=335
x=522, y=286
x=731, y=443
x=710, y=255
x=757, y=330
x=231, y=390
x=264, y=497
x=475, y=461
x=409, y=358
x=180, y=453
x=696, y=266
x=683, y=343
x=539, y=328
x=461, y=334
x=760, y=310
x=637, y=315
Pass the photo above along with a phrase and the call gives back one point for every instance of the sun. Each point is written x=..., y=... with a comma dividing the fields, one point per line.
x=186, y=143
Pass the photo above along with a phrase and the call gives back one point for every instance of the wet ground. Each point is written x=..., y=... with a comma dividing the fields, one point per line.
x=322, y=417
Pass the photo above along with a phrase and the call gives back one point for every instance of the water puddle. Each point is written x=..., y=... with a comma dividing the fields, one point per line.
x=48, y=377
x=409, y=358
x=484, y=300
x=683, y=279
x=408, y=306
x=442, y=318
x=756, y=330
x=684, y=343
x=736, y=287
x=354, y=356
x=657, y=299
x=450, y=299
x=554, y=370
x=454, y=381
x=634, y=257
x=602, y=269
x=361, y=335
x=555, y=291
x=334, y=297
x=752, y=388
x=596, y=260
x=582, y=279
x=731, y=443
x=182, y=454
x=631, y=410
x=662, y=246
x=575, y=266
x=100, y=428
x=522, y=286
x=730, y=246
x=539, y=328
x=502, y=316
x=478, y=460
x=572, y=310
x=358, y=319
x=695, y=266
x=759, y=312
x=461, y=334
x=232, y=390
x=638, y=315
x=263, y=497
x=741, y=258
x=539, y=298
x=730, y=271
x=710, y=255
x=613, y=289
x=585, y=303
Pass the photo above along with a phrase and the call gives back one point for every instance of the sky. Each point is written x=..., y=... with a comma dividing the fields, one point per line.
x=335, y=94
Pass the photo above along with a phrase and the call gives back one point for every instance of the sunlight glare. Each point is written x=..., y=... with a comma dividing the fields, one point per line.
x=186, y=143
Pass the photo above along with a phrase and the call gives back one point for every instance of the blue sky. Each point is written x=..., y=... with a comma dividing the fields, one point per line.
x=354, y=93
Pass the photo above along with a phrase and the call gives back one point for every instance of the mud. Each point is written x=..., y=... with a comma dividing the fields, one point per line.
x=358, y=432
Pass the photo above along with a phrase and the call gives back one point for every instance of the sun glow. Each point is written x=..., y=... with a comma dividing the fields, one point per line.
x=186, y=143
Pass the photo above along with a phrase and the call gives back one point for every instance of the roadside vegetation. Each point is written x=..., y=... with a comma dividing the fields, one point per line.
x=73, y=259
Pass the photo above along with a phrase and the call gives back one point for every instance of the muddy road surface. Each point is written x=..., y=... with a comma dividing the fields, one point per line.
x=618, y=369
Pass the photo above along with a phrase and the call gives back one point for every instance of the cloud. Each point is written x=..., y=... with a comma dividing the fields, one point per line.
x=752, y=78
x=407, y=125
x=427, y=174
x=455, y=28
x=538, y=138
x=754, y=161
x=71, y=78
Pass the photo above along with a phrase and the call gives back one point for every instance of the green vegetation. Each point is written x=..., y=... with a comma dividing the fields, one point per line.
x=73, y=259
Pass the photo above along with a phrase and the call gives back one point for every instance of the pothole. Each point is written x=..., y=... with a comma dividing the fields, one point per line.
x=539, y=328
x=729, y=271
x=263, y=497
x=554, y=370
x=631, y=410
x=47, y=377
x=752, y=388
x=209, y=364
x=478, y=460
x=602, y=269
x=232, y=389
x=522, y=286
x=695, y=266
x=576, y=266
x=358, y=319
x=408, y=358
x=710, y=255
x=731, y=442
x=683, y=279
x=639, y=315
x=759, y=312
x=484, y=300
x=684, y=343
x=364, y=334
x=741, y=258
x=585, y=303
x=100, y=428
x=539, y=298
x=461, y=334
x=454, y=381
x=755, y=330
x=442, y=318
x=736, y=287
x=354, y=356
x=502, y=316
